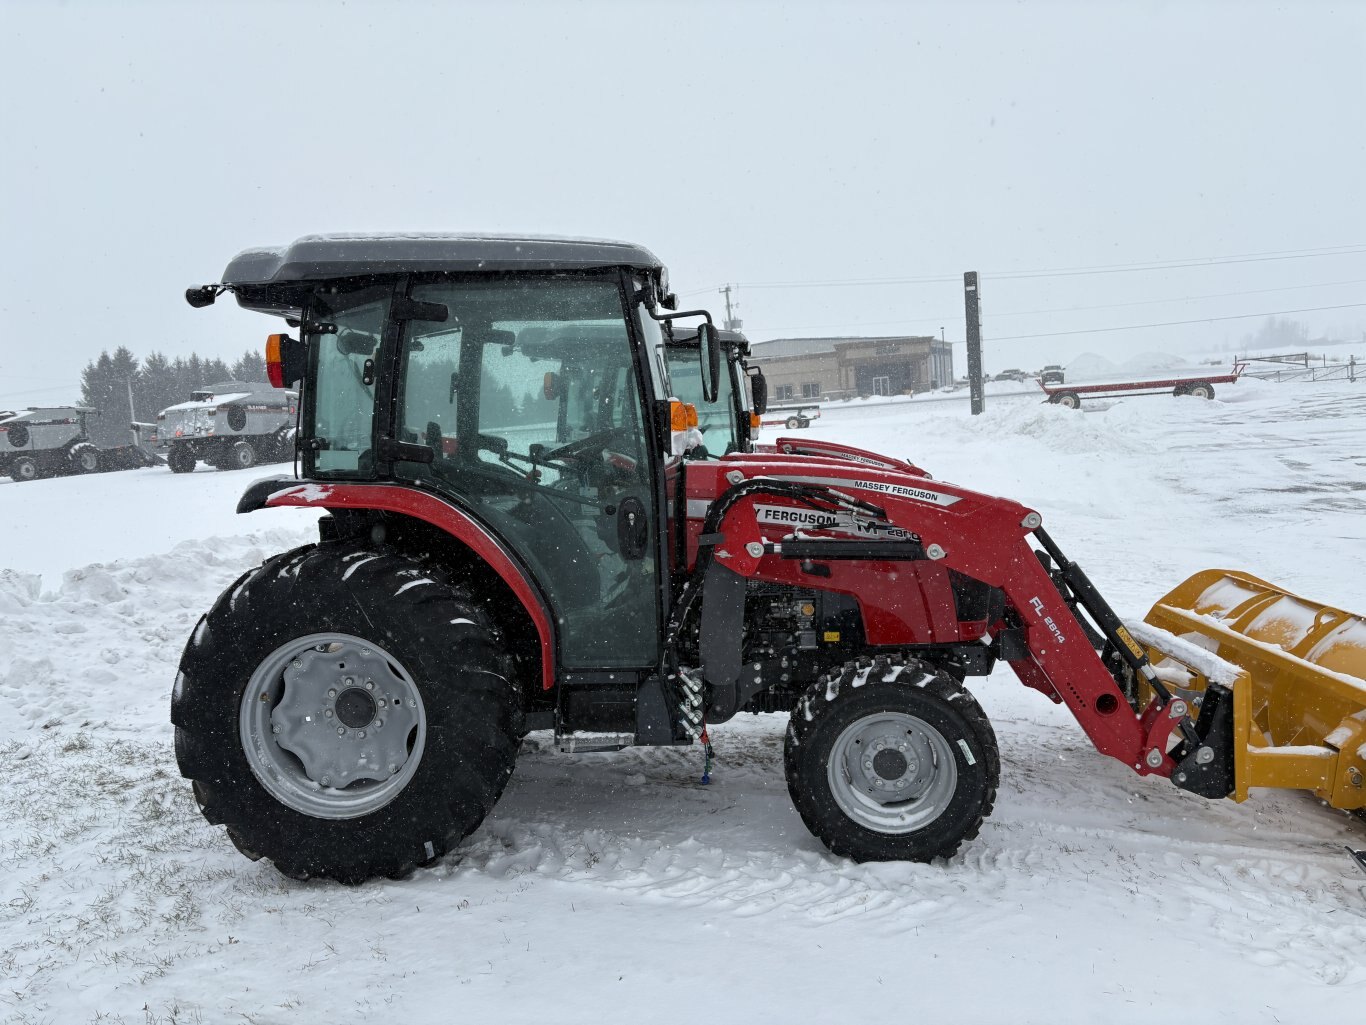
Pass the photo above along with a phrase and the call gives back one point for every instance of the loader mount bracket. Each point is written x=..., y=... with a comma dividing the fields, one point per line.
x=1207, y=768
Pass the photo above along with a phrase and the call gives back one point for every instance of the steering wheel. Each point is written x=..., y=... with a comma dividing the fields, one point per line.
x=595, y=442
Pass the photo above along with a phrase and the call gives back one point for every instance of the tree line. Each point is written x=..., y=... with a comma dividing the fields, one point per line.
x=157, y=382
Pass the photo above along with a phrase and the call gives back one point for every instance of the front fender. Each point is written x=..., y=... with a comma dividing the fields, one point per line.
x=286, y=492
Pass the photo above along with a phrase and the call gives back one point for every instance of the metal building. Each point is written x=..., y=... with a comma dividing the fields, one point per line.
x=846, y=367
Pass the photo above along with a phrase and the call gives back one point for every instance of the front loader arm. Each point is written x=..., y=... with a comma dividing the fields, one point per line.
x=981, y=536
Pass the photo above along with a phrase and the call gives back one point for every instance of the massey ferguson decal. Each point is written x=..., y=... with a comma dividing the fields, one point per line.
x=840, y=522
x=900, y=490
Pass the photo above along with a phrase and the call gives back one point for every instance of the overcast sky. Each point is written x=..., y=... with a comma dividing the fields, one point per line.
x=758, y=144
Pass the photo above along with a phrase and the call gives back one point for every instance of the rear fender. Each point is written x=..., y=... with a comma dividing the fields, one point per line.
x=283, y=492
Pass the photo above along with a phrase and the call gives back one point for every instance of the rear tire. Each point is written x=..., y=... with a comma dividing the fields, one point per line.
x=262, y=660
x=793, y=423
x=1201, y=390
x=891, y=762
x=1068, y=400
x=84, y=458
x=180, y=459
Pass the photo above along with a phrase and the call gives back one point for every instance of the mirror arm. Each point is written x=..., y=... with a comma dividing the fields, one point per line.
x=650, y=309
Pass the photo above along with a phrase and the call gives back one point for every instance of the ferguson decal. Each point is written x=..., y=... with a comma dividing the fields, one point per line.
x=821, y=519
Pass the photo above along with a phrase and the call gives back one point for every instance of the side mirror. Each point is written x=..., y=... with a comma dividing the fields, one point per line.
x=710, y=348
x=201, y=295
x=758, y=387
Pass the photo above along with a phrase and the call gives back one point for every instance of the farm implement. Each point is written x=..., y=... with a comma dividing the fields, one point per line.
x=1200, y=387
x=529, y=526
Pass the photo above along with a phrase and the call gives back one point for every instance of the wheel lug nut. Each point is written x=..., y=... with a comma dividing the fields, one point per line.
x=341, y=731
x=328, y=712
x=369, y=684
x=332, y=693
x=297, y=664
x=349, y=681
x=361, y=734
x=379, y=723
x=900, y=783
x=275, y=729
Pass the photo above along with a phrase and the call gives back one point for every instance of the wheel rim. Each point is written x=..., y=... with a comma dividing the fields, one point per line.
x=88, y=461
x=332, y=726
x=25, y=470
x=244, y=457
x=892, y=773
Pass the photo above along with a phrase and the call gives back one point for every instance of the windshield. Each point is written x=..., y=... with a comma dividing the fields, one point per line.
x=718, y=421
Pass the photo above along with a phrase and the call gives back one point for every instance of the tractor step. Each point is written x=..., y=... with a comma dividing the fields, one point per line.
x=586, y=742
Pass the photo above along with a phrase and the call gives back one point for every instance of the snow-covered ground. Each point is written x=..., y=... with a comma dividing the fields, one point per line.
x=613, y=887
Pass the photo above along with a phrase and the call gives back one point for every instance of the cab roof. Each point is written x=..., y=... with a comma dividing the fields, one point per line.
x=277, y=279
x=320, y=257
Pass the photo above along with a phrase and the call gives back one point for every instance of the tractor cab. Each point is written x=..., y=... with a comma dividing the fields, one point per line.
x=535, y=400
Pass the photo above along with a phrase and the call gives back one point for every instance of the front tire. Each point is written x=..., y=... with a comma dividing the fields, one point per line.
x=24, y=468
x=181, y=459
x=288, y=687
x=1201, y=390
x=891, y=762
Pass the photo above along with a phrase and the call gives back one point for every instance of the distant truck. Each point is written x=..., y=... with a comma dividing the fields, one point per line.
x=1052, y=374
x=230, y=425
x=53, y=441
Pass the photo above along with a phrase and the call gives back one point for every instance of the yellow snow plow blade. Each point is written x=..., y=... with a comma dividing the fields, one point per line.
x=1297, y=670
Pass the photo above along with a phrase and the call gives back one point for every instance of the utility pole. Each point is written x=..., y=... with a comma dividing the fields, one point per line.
x=731, y=323
x=972, y=306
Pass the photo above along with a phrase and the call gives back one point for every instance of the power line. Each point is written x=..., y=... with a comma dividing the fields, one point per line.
x=1072, y=309
x=1175, y=323
x=1353, y=249
x=1181, y=299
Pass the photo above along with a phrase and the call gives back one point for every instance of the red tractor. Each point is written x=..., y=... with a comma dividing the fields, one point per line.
x=526, y=530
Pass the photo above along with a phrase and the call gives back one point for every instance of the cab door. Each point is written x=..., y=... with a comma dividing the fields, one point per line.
x=528, y=397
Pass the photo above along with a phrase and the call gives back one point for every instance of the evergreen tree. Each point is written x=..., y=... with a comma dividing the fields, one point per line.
x=194, y=374
x=97, y=382
x=215, y=370
x=156, y=387
x=250, y=367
